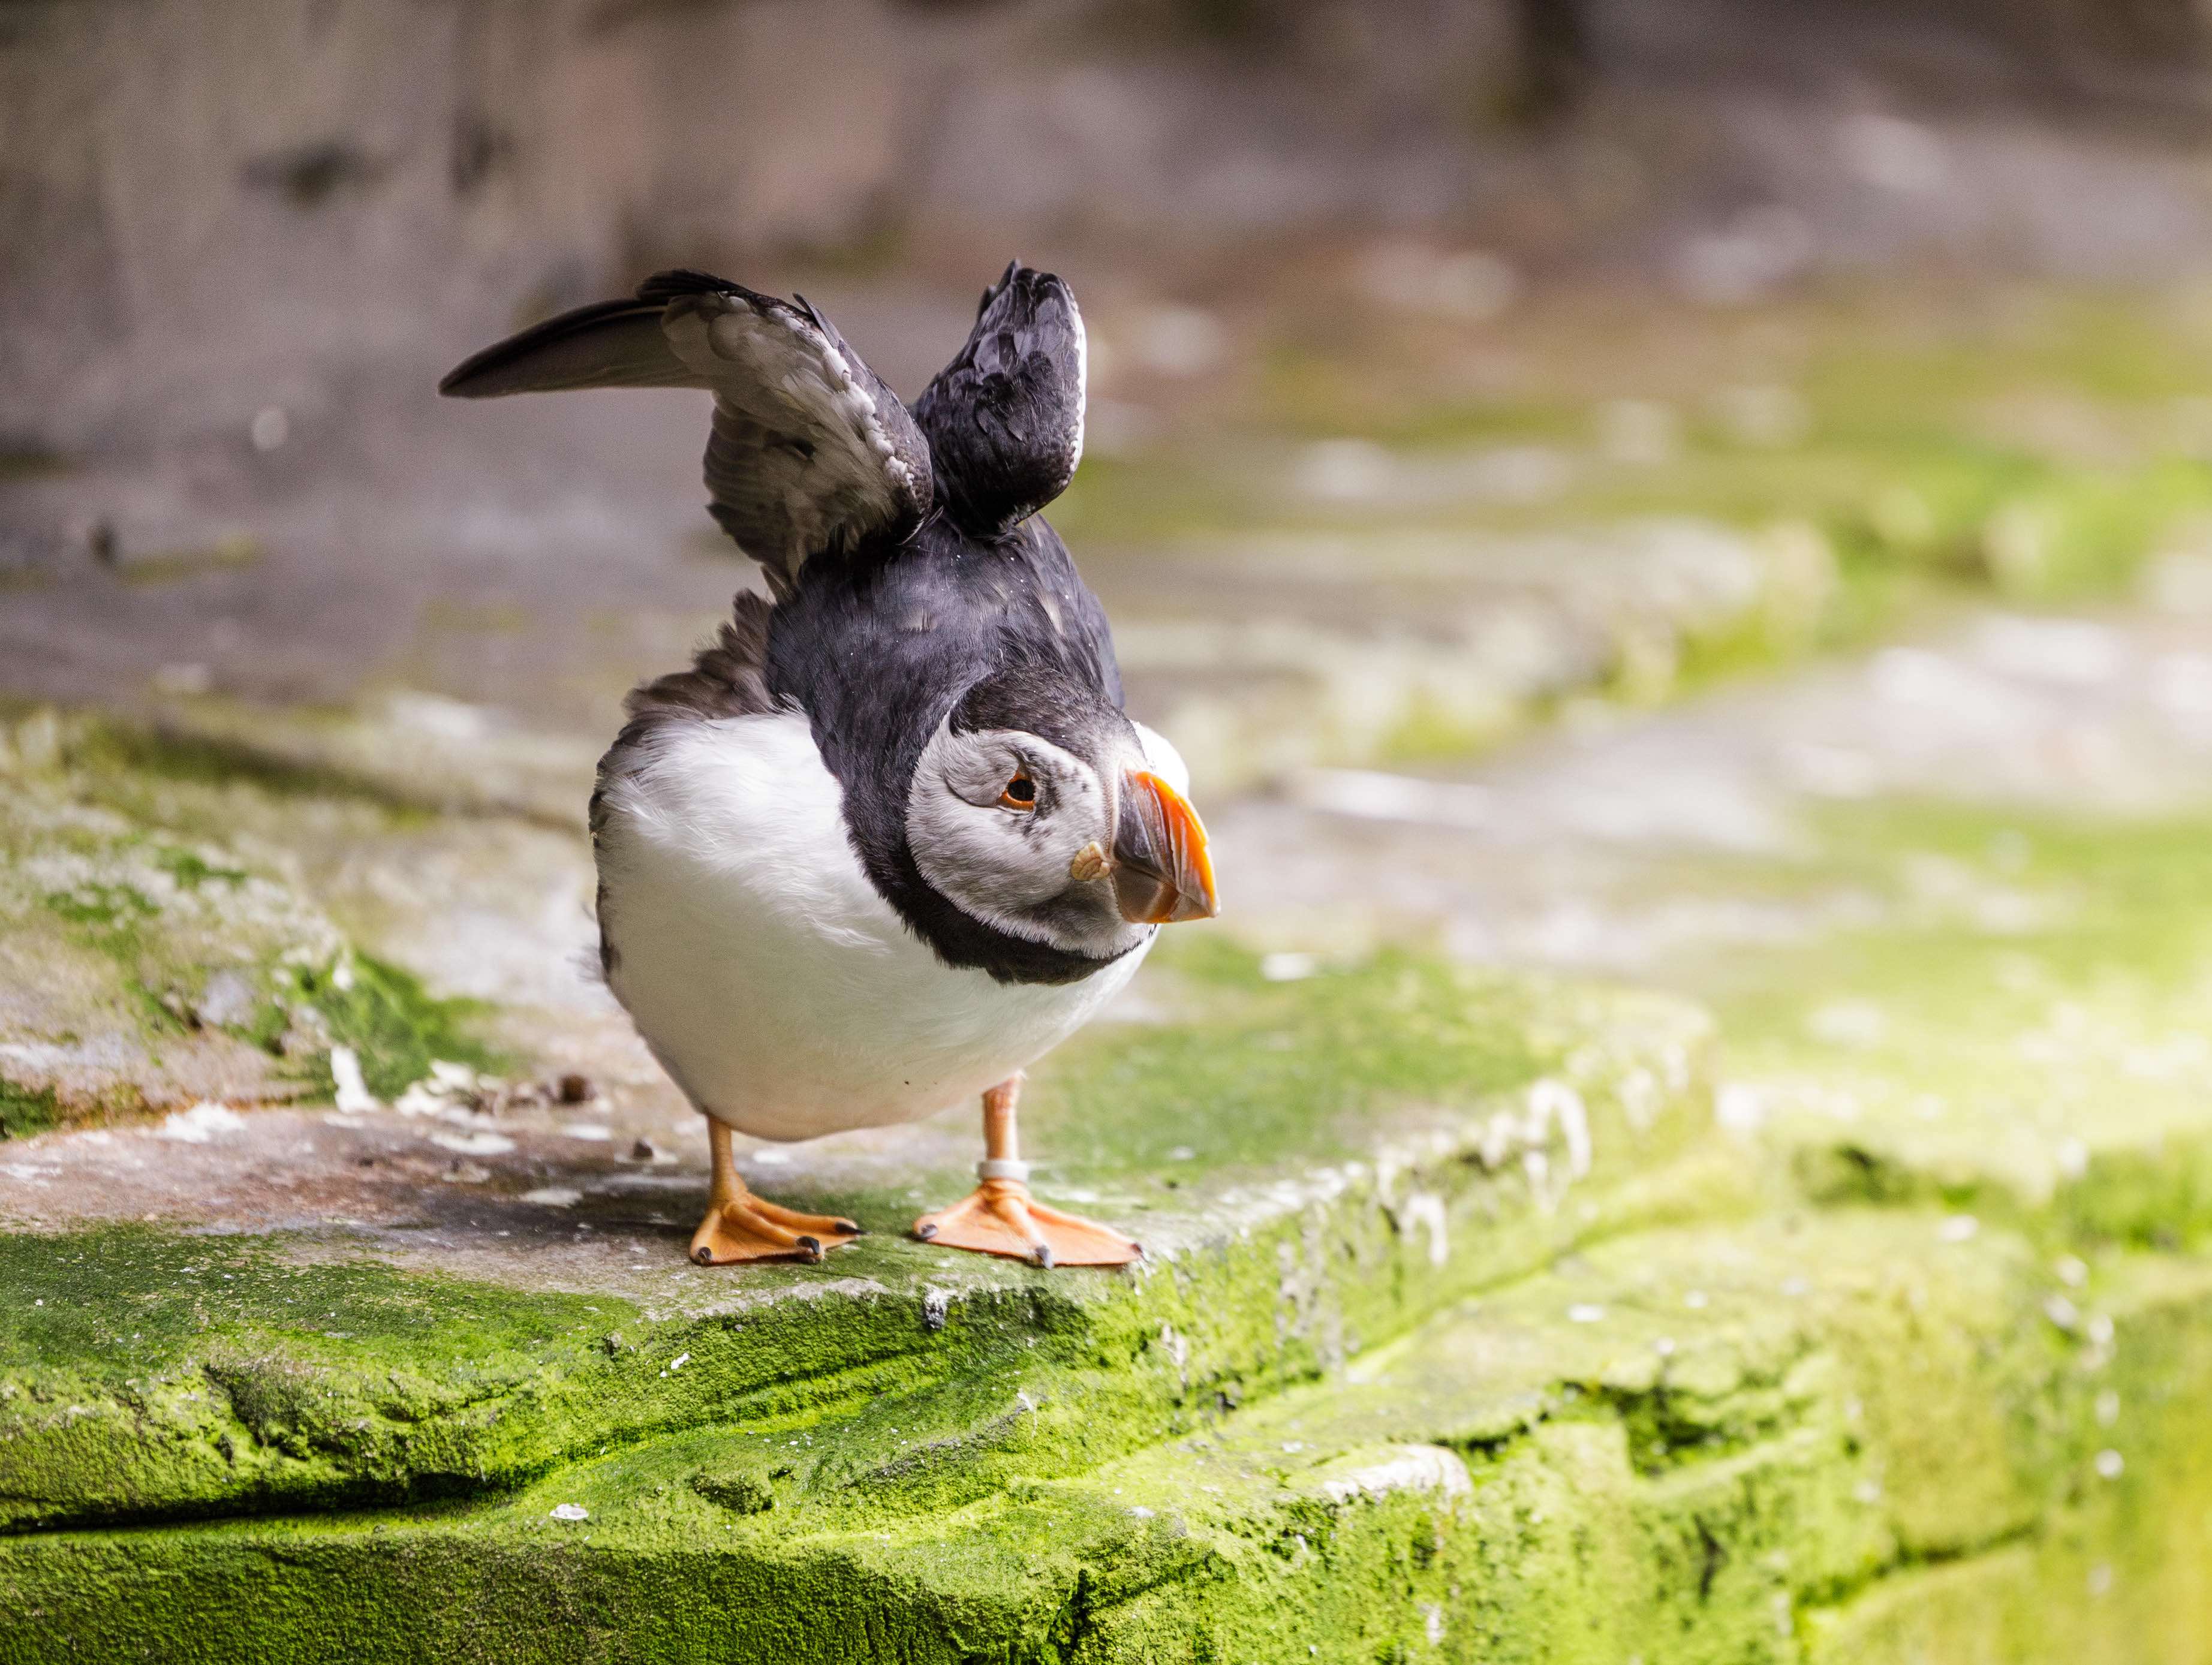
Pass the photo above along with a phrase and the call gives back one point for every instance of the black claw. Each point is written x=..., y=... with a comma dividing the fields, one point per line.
x=924, y=1231
x=850, y=1228
x=1043, y=1253
x=811, y=1246
x=703, y=1254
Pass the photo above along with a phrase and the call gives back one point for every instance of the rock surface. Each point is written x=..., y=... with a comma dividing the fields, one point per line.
x=1488, y=1314
x=1450, y=1129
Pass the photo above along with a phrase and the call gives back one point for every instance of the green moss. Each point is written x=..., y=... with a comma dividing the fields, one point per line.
x=1407, y=1082
x=1307, y=1065
x=982, y=1460
x=191, y=870
x=396, y=1025
x=735, y=1490
x=119, y=761
x=2111, y=1570
x=1472, y=1490
x=27, y=1111
x=243, y=1365
x=111, y=909
x=133, y=1301
x=2014, y=1029
x=123, y=924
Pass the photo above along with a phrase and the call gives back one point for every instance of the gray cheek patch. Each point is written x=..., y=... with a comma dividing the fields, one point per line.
x=1010, y=868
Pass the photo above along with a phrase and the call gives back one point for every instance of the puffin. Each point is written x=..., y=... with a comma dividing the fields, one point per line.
x=891, y=836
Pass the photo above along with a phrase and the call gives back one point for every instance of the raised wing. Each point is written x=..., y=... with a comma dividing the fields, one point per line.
x=809, y=453
x=1005, y=419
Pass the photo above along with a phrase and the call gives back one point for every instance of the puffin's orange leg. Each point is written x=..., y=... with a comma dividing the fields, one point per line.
x=1000, y=1216
x=740, y=1226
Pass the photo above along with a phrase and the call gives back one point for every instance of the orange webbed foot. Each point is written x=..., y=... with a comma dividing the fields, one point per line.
x=1000, y=1217
x=749, y=1228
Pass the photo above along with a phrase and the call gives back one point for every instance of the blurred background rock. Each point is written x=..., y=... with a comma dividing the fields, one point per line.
x=1456, y=369
x=232, y=202
x=1363, y=255
x=1439, y=265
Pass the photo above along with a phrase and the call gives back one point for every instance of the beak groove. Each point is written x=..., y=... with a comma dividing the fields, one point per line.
x=1163, y=873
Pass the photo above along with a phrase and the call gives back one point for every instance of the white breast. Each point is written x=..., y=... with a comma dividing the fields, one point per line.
x=781, y=992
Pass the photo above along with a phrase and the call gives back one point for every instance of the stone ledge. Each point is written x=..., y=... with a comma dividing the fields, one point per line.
x=259, y=1370
x=1587, y=1463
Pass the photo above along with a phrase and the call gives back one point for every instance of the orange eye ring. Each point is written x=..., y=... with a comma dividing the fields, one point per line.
x=1020, y=794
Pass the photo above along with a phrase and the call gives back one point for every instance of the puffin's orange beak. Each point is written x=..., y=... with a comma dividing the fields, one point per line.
x=1162, y=873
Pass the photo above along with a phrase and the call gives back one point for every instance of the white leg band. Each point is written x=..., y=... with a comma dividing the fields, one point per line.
x=1002, y=1168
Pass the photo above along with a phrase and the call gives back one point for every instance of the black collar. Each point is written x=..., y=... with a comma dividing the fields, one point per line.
x=877, y=648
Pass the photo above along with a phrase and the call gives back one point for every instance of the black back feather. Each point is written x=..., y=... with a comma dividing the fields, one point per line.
x=1005, y=419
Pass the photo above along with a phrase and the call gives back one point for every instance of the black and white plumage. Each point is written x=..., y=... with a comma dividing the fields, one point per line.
x=891, y=837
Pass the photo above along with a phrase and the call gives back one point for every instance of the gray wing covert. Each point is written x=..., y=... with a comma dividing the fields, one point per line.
x=809, y=452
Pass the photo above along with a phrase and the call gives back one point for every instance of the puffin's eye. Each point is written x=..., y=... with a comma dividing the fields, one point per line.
x=1020, y=794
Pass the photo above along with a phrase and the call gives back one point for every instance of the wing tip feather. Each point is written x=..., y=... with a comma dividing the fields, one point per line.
x=504, y=368
x=454, y=383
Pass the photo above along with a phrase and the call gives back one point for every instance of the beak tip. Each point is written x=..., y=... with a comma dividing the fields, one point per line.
x=1164, y=874
x=1195, y=904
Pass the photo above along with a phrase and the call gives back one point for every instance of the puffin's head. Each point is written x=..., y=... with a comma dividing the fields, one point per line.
x=1036, y=810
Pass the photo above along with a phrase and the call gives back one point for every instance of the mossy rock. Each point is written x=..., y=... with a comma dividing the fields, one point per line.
x=146, y=965
x=1465, y=1335
x=1313, y=1166
x=1689, y=1446
x=736, y=1490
